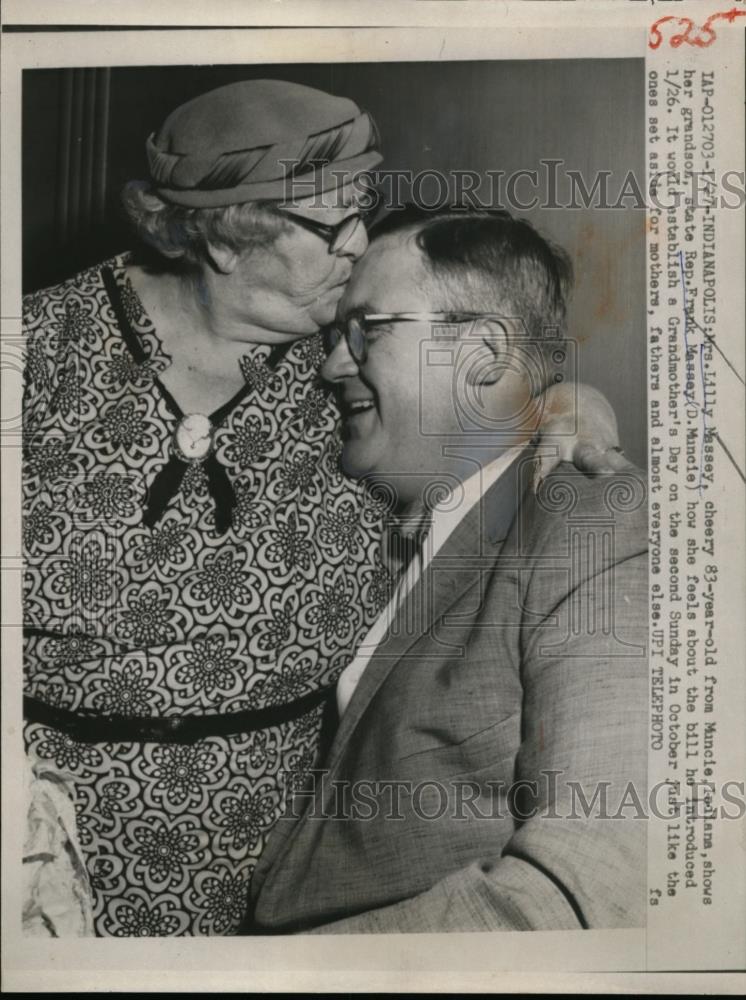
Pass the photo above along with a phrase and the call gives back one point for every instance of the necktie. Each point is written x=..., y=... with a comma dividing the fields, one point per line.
x=403, y=537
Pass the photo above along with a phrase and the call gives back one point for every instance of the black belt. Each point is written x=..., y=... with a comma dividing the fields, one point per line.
x=86, y=727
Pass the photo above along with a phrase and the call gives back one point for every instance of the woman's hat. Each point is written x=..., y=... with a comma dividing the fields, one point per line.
x=260, y=140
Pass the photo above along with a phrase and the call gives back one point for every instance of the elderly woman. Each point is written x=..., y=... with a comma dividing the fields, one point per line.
x=198, y=571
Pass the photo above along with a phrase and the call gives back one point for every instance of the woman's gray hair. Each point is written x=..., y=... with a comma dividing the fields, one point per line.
x=182, y=234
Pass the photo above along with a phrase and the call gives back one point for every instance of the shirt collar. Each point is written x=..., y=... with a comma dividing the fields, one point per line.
x=449, y=513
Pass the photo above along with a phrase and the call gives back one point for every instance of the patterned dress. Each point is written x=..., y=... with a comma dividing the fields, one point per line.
x=179, y=618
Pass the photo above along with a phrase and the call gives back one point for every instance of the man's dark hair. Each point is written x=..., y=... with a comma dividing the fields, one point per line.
x=487, y=261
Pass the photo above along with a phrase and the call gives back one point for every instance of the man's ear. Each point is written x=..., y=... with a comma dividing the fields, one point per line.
x=222, y=258
x=490, y=360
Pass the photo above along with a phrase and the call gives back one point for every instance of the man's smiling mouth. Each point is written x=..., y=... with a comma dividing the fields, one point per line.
x=360, y=406
x=352, y=408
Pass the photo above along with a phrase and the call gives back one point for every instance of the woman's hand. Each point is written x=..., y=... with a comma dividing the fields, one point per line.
x=577, y=425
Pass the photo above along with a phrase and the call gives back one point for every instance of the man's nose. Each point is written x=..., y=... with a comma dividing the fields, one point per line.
x=357, y=244
x=340, y=364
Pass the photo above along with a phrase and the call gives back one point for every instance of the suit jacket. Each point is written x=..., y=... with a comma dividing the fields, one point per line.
x=520, y=657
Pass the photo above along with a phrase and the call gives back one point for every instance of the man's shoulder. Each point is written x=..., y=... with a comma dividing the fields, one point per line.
x=576, y=531
x=587, y=505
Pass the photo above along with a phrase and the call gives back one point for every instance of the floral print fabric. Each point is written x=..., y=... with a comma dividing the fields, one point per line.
x=179, y=619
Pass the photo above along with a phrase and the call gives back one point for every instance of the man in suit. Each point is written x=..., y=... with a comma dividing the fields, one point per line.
x=489, y=768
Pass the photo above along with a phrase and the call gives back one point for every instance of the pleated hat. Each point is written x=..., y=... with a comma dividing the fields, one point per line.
x=260, y=140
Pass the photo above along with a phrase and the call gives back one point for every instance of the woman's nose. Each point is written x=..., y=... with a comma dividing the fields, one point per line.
x=357, y=244
x=340, y=364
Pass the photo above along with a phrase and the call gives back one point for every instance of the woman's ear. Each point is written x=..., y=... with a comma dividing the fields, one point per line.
x=490, y=360
x=222, y=258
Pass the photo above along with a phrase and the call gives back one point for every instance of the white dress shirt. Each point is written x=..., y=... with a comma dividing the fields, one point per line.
x=447, y=515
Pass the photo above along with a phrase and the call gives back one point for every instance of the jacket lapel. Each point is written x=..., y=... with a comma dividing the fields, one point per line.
x=437, y=589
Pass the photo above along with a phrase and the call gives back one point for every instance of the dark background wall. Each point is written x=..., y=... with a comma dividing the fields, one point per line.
x=84, y=134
